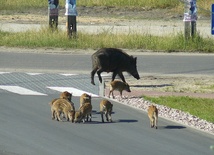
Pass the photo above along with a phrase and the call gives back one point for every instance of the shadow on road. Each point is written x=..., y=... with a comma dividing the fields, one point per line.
x=126, y=121
x=152, y=86
x=172, y=127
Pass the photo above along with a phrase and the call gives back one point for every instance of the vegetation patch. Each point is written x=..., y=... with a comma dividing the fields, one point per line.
x=200, y=107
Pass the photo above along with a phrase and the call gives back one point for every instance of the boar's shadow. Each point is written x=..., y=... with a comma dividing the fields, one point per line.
x=172, y=127
x=126, y=121
x=152, y=86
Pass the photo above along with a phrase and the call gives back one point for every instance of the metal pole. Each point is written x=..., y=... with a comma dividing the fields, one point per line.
x=53, y=13
x=71, y=14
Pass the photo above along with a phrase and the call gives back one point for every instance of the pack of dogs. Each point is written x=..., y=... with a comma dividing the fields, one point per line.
x=63, y=107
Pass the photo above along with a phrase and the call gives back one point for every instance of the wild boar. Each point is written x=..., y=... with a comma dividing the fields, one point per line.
x=153, y=116
x=106, y=108
x=85, y=98
x=63, y=106
x=66, y=95
x=113, y=60
x=118, y=85
x=84, y=112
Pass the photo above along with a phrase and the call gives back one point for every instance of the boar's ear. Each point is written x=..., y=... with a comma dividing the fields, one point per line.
x=135, y=59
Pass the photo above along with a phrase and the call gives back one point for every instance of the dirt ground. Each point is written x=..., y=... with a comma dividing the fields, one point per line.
x=148, y=85
x=95, y=15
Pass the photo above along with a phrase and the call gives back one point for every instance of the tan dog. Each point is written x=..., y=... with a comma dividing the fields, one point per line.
x=84, y=112
x=106, y=108
x=118, y=85
x=85, y=98
x=62, y=106
x=153, y=116
x=66, y=95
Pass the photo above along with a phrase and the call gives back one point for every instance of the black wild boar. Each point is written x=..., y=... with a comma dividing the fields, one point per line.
x=113, y=60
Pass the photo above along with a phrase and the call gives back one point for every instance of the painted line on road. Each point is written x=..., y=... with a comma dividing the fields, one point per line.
x=20, y=90
x=74, y=91
x=34, y=73
x=4, y=72
x=68, y=74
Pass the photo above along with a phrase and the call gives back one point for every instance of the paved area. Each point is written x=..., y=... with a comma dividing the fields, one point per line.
x=45, y=84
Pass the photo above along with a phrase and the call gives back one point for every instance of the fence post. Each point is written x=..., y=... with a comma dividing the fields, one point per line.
x=71, y=14
x=53, y=13
x=190, y=17
x=102, y=88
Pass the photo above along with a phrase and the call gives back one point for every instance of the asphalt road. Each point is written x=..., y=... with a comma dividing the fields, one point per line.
x=27, y=129
x=147, y=63
x=26, y=124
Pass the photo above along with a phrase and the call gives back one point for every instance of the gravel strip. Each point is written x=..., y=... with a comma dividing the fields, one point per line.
x=169, y=113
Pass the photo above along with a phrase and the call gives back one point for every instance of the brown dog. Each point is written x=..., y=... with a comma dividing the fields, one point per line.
x=118, y=85
x=153, y=116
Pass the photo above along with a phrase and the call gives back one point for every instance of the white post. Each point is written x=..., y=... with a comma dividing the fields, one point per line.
x=190, y=17
x=102, y=88
x=71, y=13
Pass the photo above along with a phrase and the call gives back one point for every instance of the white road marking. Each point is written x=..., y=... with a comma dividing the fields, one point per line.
x=4, y=72
x=33, y=73
x=20, y=90
x=68, y=74
x=74, y=91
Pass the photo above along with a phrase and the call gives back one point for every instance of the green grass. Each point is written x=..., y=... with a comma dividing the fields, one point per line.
x=22, y=4
x=175, y=5
x=200, y=107
x=48, y=38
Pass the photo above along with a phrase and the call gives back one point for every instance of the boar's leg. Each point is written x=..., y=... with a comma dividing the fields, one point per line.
x=53, y=114
x=92, y=75
x=109, y=115
x=121, y=93
x=121, y=76
x=58, y=116
x=102, y=116
x=99, y=71
x=111, y=92
x=106, y=114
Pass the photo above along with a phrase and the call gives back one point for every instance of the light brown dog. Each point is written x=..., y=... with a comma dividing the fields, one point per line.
x=66, y=95
x=85, y=98
x=63, y=106
x=84, y=112
x=106, y=108
x=118, y=85
x=153, y=116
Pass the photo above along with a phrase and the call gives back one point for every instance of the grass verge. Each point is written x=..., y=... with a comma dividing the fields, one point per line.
x=45, y=37
x=200, y=107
